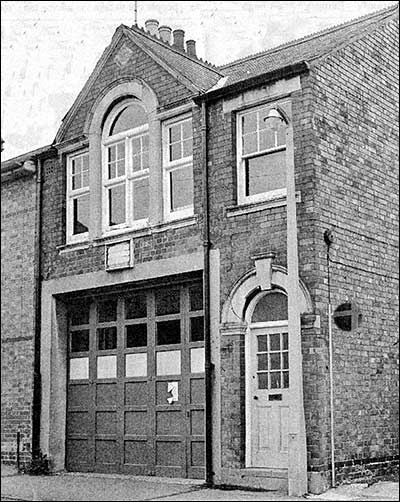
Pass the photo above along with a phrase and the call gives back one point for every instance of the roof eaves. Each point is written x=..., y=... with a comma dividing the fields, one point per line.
x=277, y=74
x=15, y=166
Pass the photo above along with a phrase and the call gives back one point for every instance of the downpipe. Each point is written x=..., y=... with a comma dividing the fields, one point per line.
x=206, y=288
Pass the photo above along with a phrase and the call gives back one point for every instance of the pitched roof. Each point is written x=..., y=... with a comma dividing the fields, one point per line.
x=201, y=74
x=307, y=49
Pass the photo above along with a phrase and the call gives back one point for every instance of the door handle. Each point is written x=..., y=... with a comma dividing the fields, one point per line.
x=255, y=397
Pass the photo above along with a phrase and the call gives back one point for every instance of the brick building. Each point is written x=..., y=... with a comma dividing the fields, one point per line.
x=168, y=266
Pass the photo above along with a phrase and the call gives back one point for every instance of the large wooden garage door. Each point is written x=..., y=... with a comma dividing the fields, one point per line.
x=136, y=383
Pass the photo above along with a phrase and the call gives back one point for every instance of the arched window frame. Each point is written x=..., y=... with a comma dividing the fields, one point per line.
x=253, y=305
x=129, y=177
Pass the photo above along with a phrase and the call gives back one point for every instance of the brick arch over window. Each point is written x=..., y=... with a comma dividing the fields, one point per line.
x=93, y=130
x=116, y=93
x=247, y=287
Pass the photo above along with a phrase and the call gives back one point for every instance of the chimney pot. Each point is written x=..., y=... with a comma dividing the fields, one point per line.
x=152, y=26
x=191, y=48
x=179, y=39
x=165, y=34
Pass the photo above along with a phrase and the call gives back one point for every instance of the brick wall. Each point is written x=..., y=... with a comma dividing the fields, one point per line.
x=356, y=160
x=140, y=66
x=17, y=314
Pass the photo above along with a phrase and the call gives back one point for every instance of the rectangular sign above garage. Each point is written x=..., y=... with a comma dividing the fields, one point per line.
x=119, y=255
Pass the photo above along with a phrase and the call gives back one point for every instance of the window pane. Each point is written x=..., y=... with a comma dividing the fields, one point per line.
x=262, y=343
x=275, y=342
x=169, y=362
x=249, y=122
x=265, y=173
x=136, y=365
x=107, y=310
x=80, y=340
x=117, y=204
x=275, y=361
x=175, y=151
x=79, y=313
x=275, y=380
x=196, y=297
x=197, y=360
x=285, y=341
x=285, y=382
x=285, y=360
x=196, y=329
x=271, y=307
x=107, y=338
x=107, y=367
x=168, y=301
x=188, y=147
x=130, y=117
x=136, y=335
x=267, y=139
x=187, y=129
x=181, y=188
x=262, y=380
x=81, y=214
x=168, y=332
x=250, y=143
x=79, y=368
x=141, y=198
x=262, y=361
x=136, y=306
x=175, y=133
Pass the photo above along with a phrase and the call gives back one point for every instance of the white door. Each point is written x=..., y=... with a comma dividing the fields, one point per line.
x=267, y=400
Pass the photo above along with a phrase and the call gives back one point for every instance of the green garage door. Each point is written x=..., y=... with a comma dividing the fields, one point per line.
x=136, y=383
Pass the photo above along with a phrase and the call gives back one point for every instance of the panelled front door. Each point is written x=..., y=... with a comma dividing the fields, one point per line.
x=136, y=383
x=268, y=397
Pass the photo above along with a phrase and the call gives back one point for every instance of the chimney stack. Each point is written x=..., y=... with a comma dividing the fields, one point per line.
x=151, y=26
x=165, y=34
x=179, y=39
x=191, y=48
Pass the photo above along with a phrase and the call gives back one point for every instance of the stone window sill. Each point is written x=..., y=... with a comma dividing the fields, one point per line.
x=239, y=210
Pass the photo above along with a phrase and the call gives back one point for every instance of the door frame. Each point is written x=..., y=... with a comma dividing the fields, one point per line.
x=251, y=327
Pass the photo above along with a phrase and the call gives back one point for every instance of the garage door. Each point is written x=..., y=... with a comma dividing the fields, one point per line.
x=136, y=383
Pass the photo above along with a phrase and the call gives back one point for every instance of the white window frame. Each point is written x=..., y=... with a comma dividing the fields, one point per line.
x=170, y=166
x=73, y=194
x=242, y=198
x=130, y=175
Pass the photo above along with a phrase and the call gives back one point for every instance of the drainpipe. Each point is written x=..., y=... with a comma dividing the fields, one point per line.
x=36, y=405
x=206, y=286
x=328, y=237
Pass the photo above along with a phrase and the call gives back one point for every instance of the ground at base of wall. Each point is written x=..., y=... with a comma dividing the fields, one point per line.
x=381, y=490
x=75, y=486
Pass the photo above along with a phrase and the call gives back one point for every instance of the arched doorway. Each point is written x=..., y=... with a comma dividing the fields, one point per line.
x=267, y=381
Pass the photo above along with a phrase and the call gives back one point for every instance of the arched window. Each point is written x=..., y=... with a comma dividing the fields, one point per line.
x=126, y=166
x=271, y=307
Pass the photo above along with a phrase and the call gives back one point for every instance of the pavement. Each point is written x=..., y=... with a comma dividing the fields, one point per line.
x=106, y=487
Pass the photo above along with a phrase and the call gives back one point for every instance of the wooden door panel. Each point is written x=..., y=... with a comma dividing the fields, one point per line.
x=134, y=407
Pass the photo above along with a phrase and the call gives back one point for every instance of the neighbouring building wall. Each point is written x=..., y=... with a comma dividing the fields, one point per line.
x=356, y=125
x=17, y=315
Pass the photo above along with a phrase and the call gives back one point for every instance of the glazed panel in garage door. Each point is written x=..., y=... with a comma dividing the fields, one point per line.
x=136, y=383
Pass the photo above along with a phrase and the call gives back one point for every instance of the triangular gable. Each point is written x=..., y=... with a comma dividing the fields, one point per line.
x=187, y=72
